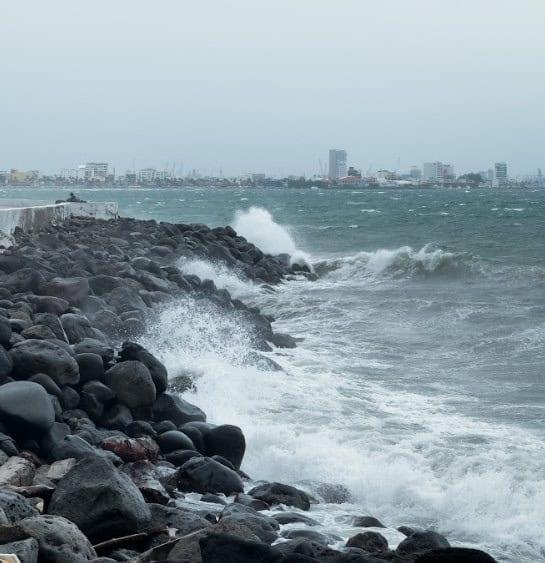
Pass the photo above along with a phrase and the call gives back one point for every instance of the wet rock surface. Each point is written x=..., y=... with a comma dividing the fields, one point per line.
x=100, y=460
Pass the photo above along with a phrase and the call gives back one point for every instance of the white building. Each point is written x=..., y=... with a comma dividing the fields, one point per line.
x=93, y=171
x=337, y=164
x=437, y=171
x=500, y=174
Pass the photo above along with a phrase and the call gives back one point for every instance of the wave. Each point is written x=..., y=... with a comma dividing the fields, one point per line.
x=258, y=226
x=403, y=262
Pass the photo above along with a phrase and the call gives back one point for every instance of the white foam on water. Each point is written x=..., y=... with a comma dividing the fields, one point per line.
x=258, y=226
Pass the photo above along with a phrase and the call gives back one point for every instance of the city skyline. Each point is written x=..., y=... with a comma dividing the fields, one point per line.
x=252, y=88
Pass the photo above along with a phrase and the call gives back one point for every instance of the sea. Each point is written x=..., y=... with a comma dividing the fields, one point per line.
x=416, y=393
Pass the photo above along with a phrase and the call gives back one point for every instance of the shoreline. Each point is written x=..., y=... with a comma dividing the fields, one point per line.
x=71, y=294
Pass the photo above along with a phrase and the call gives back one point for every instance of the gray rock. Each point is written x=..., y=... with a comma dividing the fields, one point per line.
x=455, y=555
x=53, y=305
x=103, y=502
x=6, y=364
x=420, y=542
x=44, y=356
x=174, y=440
x=174, y=408
x=26, y=550
x=73, y=290
x=170, y=517
x=94, y=346
x=219, y=548
x=59, y=540
x=25, y=407
x=294, y=518
x=132, y=383
x=38, y=332
x=264, y=528
x=16, y=507
x=370, y=542
x=91, y=367
x=53, y=322
x=133, y=351
x=278, y=493
x=206, y=475
x=228, y=441
x=76, y=327
x=5, y=331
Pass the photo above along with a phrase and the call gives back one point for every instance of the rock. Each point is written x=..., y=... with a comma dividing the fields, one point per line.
x=117, y=417
x=102, y=283
x=16, y=507
x=455, y=555
x=50, y=474
x=367, y=522
x=420, y=542
x=108, y=322
x=205, y=475
x=228, y=441
x=59, y=540
x=124, y=299
x=174, y=440
x=133, y=351
x=5, y=331
x=103, y=502
x=47, y=383
x=294, y=518
x=214, y=499
x=43, y=356
x=170, y=517
x=70, y=398
x=312, y=549
x=53, y=323
x=93, y=396
x=7, y=445
x=252, y=502
x=76, y=327
x=25, y=550
x=164, y=426
x=91, y=367
x=131, y=449
x=174, y=408
x=283, y=340
x=219, y=548
x=139, y=429
x=6, y=364
x=73, y=290
x=132, y=383
x=278, y=493
x=370, y=542
x=94, y=346
x=38, y=332
x=179, y=457
x=25, y=407
x=311, y=535
x=53, y=305
x=264, y=528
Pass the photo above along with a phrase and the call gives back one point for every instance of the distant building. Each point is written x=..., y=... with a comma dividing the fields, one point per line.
x=500, y=174
x=354, y=172
x=4, y=177
x=147, y=175
x=438, y=172
x=257, y=178
x=93, y=171
x=337, y=164
x=415, y=173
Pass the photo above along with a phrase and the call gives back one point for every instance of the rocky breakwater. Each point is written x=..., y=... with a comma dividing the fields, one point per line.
x=99, y=460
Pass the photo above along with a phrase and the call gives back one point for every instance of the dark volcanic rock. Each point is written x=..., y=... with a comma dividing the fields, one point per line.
x=133, y=351
x=278, y=493
x=174, y=408
x=94, y=346
x=179, y=457
x=294, y=518
x=38, y=332
x=220, y=548
x=455, y=555
x=420, y=542
x=6, y=364
x=171, y=517
x=100, y=500
x=76, y=327
x=370, y=542
x=53, y=322
x=91, y=367
x=367, y=522
x=26, y=550
x=59, y=540
x=132, y=383
x=205, y=475
x=73, y=290
x=52, y=305
x=228, y=441
x=44, y=356
x=15, y=506
x=174, y=440
x=5, y=331
x=25, y=407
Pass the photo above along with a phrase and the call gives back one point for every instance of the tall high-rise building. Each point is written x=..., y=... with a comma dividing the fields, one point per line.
x=94, y=171
x=500, y=174
x=337, y=164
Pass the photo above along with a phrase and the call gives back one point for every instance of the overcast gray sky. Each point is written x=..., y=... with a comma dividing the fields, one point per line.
x=254, y=85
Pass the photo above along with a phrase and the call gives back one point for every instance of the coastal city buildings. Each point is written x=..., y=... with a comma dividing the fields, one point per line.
x=437, y=171
x=500, y=174
x=337, y=164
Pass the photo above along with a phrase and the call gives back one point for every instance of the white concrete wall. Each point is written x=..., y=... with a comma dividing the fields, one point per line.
x=36, y=217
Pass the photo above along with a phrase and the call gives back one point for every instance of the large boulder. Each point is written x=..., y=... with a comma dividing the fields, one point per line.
x=6, y=364
x=73, y=290
x=17, y=471
x=53, y=305
x=132, y=383
x=183, y=521
x=370, y=542
x=228, y=441
x=76, y=327
x=5, y=331
x=124, y=299
x=174, y=440
x=25, y=407
x=59, y=541
x=91, y=367
x=133, y=351
x=103, y=502
x=219, y=548
x=15, y=506
x=206, y=475
x=174, y=408
x=53, y=322
x=25, y=550
x=421, y=541
x=44, y=356
x=278, y=493
x=94, y=346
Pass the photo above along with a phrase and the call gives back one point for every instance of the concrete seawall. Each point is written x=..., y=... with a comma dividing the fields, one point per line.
x=33, y=217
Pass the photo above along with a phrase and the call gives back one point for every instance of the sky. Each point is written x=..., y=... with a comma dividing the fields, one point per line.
x=269, y=86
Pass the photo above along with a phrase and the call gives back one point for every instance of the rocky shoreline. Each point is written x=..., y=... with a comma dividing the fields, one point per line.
x=100, y=458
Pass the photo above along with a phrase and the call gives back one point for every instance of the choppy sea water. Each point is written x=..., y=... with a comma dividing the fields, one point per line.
x=419, y=384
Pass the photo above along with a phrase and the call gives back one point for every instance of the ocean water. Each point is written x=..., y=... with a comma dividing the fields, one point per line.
x=419, y=382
